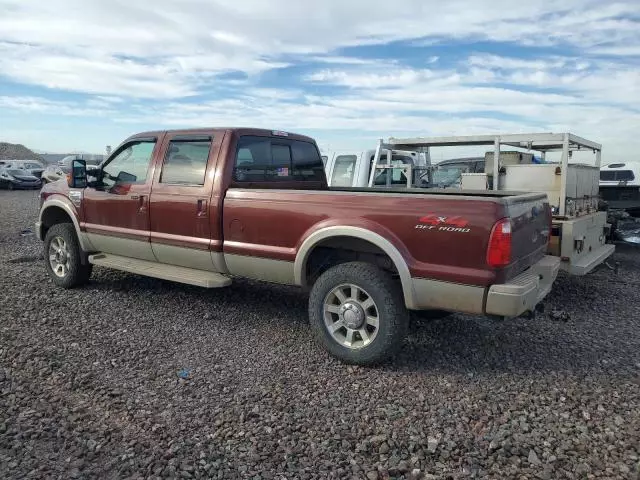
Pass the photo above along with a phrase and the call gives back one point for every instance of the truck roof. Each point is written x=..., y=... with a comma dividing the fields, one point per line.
x=261, y=132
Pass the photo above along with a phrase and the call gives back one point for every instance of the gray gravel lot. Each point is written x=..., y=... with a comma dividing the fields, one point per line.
x=90, y=385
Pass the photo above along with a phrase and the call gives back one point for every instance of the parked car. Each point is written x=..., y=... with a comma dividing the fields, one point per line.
x=53, y=173
x=204, y=206
x=32, y=167
x=448, y=173
x=87, y=157
x=15, y=178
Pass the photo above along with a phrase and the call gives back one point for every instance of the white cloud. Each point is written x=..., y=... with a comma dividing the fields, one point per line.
x=172, y=55
x=621, y=50
x=39, y=105
x=379, y=78
x=164, y=49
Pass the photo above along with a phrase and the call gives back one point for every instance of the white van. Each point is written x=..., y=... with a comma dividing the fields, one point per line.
x=620, y=186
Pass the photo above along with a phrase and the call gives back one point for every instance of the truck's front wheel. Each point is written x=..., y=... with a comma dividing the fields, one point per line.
x=357, y=312
x=63, y=257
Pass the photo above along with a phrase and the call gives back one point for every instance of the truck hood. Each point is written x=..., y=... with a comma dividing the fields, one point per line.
x=59, y=187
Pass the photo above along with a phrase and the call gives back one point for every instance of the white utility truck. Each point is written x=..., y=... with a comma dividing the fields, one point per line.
x=579, y=229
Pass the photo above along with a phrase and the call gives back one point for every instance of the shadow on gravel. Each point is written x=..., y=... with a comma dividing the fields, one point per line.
x=285, y=303
x=474, y=345
x=26, y=259
x=458, y=344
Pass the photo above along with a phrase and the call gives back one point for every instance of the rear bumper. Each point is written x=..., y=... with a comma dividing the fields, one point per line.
x=525, y=291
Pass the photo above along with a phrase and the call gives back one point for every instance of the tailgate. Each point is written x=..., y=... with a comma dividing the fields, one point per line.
x=531, y=222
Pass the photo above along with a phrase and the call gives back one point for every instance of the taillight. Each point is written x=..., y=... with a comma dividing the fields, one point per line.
x=499, y=250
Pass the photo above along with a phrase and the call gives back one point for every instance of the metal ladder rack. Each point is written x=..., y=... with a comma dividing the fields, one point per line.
x=408, y=169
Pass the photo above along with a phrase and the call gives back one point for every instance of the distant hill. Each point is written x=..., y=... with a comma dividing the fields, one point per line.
x=15, y=151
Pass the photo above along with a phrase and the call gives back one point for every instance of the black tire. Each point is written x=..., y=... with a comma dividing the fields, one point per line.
x=431, y=314
x=77, y=273
x=9, y=186
x=393, y=317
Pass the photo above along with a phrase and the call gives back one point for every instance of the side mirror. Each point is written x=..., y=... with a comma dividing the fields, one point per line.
x=78, y=176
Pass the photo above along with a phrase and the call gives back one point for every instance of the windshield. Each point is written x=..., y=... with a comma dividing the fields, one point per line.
x=616, y=175
x=448, y=174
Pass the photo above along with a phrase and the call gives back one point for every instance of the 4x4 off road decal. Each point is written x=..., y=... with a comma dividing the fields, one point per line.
x=441, y=223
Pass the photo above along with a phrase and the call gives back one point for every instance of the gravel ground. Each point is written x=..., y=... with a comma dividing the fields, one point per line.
x=90, y=382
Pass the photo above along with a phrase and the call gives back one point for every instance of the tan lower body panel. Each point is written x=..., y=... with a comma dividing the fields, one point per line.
x=125, y=247
x=454, y=297
x=172, y=273
x=257, y=268
x=189, y=257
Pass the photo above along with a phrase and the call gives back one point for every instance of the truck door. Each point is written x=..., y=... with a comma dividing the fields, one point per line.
x=116, y=209
x=182, y=213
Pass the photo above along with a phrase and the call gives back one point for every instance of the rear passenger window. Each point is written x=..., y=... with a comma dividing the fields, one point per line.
x=307, y=163
x=186, y=162
x=266, y=159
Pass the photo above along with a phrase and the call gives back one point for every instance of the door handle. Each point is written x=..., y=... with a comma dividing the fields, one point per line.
x=202, y=208
x=141, y=202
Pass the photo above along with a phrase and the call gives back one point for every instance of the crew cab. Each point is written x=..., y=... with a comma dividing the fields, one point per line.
x=204, y=206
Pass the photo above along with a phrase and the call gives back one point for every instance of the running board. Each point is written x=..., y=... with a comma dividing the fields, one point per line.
x=589, y=262
x=163, y=271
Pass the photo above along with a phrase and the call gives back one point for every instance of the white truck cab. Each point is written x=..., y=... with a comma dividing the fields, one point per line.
x=349, y=168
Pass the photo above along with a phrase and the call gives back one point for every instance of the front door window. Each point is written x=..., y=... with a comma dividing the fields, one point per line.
x=129, y=167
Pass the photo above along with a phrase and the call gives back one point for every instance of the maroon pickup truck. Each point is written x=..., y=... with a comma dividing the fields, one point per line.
x=203, y=206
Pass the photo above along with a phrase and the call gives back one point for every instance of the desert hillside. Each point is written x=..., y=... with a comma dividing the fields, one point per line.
x=13, y=151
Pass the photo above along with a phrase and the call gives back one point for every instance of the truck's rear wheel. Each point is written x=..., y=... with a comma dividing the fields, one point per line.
x=357, y=312
x=63, y=257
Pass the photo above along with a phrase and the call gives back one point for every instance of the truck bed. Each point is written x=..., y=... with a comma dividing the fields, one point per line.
x=443, y=234
x=475, y=194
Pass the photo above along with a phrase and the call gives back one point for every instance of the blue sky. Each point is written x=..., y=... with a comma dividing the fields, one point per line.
x=77, y=75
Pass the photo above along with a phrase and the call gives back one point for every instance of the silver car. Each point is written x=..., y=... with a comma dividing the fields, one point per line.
x=53, y=173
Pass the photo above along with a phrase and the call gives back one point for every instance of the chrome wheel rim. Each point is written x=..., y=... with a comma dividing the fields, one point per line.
x=59, y=257
x=351, y=316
